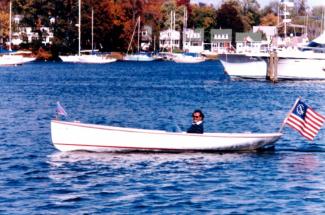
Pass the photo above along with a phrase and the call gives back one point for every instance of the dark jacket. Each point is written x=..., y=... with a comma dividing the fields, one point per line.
x=198, y=129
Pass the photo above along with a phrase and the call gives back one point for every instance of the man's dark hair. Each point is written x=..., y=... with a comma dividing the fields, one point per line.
x=198, y=111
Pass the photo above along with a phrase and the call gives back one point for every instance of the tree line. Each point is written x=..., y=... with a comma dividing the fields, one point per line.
x=114, y=20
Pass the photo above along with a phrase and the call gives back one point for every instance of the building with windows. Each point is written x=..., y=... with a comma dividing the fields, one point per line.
x=193, y=40
x=169, y=39
x=221, y=40
x=248, y=42
x=28, y=34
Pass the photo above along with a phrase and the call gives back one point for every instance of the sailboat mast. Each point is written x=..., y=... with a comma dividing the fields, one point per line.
x=285, y=21
x=171, y=30
x=139, y=34
x=10, y=33
x=79, y=28
x=184, y=27
x=92, y=29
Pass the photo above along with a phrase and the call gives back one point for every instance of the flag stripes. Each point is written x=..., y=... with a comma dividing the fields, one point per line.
x=306, y=122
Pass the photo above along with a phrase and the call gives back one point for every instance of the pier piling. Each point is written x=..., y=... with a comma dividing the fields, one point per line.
x=272, y=67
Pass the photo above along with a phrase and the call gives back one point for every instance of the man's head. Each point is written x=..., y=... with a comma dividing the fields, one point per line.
x=197, y=115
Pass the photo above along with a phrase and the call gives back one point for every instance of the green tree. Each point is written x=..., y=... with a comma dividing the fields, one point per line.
x=229, y=17
x=4, y=21
x=205, y=17
x=251, y=13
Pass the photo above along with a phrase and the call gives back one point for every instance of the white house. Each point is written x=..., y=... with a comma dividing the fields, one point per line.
x=27, y=35
x=221, y=40
x=194, y=40
x=169, y=39
x=248, y=42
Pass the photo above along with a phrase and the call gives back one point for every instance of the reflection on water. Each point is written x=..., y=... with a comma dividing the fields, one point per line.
x=116, y=160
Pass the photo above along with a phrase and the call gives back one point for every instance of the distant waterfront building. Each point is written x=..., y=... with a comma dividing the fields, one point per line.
x=194, y=40
x=146, y=37
x=248, y=42
x=27, y=35
x=168, y=39
x=221, y=40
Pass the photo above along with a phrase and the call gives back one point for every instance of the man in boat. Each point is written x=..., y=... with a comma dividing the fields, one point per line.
x=197, y=124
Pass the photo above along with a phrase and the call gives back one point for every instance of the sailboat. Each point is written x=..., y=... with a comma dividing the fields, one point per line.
x=185, y=57
x=94, y=58
x=74, y=58
x=139, y=56
x=91, y=58
x=13, y=58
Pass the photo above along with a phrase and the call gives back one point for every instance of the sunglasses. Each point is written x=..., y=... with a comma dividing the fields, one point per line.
x=196, y=116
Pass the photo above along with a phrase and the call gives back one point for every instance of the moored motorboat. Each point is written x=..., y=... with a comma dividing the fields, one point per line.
x=72, y=136
x=301, y=69
x=243, y=66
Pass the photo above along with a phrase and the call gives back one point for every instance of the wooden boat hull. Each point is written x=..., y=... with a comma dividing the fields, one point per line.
x=72, y=136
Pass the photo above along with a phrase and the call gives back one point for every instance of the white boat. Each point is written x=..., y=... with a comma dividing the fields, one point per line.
x=86, y=56
x=294, y=65
x=189, y=58
x=73, y=136
x=301, y=69
x=70, y=58
x=299, y=63
x=242, y=66
x=14, y=58
x=139, y=56
x=95, y=59
x=75, y=58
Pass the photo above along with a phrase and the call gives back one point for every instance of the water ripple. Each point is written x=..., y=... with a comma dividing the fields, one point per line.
x=36, y=178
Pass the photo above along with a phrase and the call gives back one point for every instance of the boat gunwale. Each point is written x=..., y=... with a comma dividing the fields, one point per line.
x=159, y=132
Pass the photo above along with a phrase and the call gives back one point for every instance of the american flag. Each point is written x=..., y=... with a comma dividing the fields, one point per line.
x=60, y=110
x=305, y=120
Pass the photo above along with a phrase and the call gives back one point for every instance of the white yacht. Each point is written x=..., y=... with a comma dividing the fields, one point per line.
x=301, y=63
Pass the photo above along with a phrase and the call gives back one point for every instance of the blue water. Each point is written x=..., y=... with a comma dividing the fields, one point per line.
x=36, y=178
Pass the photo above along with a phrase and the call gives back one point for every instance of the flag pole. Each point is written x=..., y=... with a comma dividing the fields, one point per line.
x=285, y=119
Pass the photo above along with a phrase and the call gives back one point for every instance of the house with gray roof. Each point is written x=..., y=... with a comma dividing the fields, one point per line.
x=194, y=40
x=221, y=40
x=248, y=42
x=169, y=39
